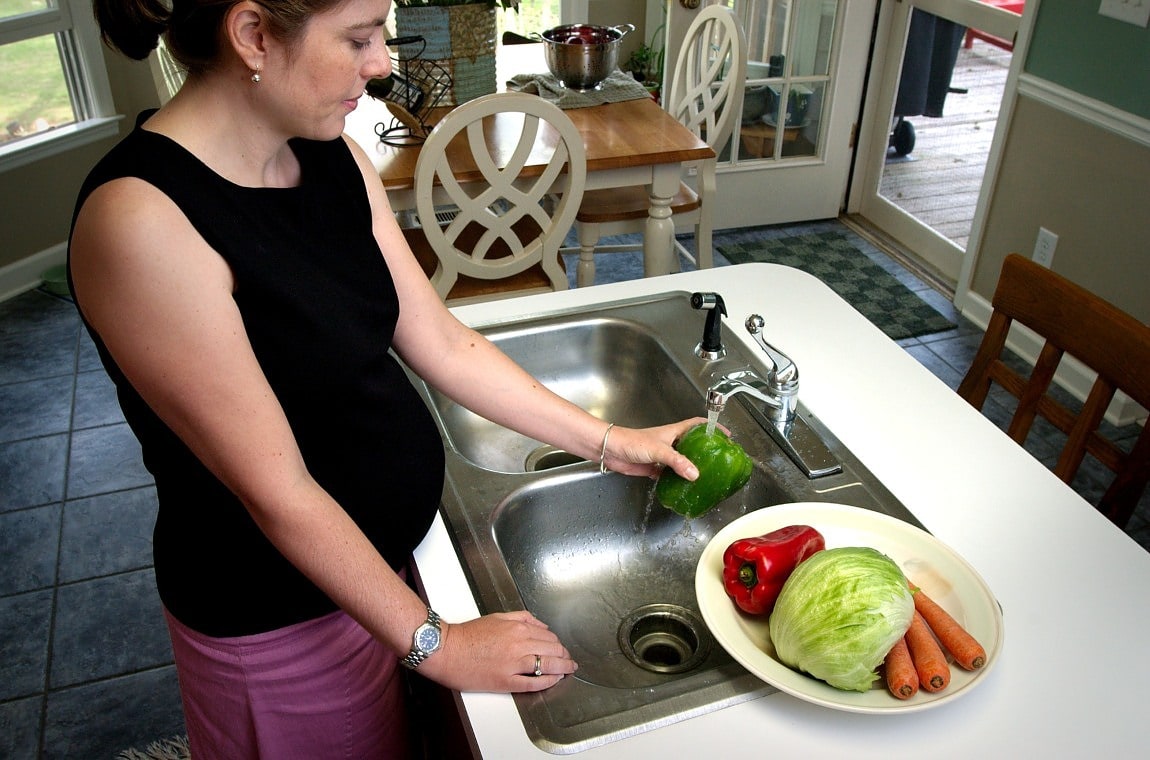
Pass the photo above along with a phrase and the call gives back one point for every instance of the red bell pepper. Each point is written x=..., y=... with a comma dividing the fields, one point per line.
x=754, y=569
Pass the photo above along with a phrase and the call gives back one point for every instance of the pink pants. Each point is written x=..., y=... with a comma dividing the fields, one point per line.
x=319, y=690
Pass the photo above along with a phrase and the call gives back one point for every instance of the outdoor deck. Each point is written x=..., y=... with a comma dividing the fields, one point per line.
x=939, y=181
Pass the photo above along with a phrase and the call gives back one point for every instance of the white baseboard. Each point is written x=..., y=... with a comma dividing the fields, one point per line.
x=25, y=274
x=1072, y=375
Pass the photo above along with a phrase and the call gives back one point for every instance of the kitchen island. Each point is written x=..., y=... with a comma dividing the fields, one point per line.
x=1074, y=589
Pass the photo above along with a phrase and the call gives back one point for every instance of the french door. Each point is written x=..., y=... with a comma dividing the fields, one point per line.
x=790, y=157
x=928, y=196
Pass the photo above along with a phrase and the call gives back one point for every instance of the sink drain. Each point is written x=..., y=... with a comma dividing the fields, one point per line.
x=664, y=638
x=548, y=458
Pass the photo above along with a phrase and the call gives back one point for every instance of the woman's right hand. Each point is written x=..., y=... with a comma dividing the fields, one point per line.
x=496, y=653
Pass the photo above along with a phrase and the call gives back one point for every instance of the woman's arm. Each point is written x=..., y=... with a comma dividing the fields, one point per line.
x=161, y=300
x=476, y=374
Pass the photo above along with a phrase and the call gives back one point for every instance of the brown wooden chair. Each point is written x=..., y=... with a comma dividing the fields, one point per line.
x=1106, y=339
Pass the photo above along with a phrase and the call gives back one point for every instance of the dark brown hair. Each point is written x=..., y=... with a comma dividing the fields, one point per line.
x=192, y=28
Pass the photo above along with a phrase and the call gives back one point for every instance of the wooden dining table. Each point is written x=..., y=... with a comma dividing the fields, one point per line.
x=634, y=142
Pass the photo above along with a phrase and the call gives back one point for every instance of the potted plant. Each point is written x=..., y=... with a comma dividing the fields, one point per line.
x=646, y=64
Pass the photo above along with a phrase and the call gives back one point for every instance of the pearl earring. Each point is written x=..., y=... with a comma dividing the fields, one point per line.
x=256, y=76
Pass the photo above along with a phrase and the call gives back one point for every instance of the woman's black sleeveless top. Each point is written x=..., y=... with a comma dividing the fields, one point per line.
x=320, y=309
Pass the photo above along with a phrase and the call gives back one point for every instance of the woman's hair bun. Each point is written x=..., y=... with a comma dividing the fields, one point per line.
x=132, y=26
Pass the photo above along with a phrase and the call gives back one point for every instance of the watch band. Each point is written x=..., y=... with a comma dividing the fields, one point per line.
x=417, y=655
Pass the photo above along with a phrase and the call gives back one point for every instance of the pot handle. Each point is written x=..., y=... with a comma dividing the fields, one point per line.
x=622, y=29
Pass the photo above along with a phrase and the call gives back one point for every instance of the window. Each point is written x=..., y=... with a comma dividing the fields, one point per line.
x=54, y=93
x=533, y=16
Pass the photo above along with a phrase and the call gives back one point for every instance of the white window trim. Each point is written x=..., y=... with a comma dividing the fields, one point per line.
x=53, y=142
x=100, y=120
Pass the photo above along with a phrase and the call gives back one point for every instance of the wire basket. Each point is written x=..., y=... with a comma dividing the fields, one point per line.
x=416, y=86
x=462, y=37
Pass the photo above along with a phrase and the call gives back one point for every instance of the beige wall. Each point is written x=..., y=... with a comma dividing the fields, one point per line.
x=616, y=12
x=1087, y=185
x=36, y=200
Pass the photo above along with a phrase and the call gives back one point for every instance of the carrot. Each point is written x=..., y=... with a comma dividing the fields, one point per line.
x=901, y=678
x=963, y=647
x=929, y=660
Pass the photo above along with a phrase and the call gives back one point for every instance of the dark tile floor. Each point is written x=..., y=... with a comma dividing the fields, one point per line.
x=85, y=663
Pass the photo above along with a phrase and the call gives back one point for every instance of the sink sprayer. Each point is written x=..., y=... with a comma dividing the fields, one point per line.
x=710, y=347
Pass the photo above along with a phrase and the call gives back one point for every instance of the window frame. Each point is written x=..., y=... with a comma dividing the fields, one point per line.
x=86, y=75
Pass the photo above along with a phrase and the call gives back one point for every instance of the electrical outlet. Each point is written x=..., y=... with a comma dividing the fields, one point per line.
x=1136, y=12
x=1044, y=247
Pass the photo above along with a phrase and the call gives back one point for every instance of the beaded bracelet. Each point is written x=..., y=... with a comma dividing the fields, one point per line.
x=603, y=450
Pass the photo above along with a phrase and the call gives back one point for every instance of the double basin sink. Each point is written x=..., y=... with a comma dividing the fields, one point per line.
x=593, y=555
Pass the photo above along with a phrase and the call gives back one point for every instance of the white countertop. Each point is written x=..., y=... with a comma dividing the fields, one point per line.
x=1074, y=589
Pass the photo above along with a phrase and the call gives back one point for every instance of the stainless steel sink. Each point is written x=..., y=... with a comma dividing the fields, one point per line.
x=595, y=556
x=592, y=555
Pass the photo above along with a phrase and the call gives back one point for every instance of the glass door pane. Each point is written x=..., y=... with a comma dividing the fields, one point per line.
x=788, y=70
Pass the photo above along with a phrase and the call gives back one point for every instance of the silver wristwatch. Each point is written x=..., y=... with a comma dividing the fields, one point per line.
x=424, y=642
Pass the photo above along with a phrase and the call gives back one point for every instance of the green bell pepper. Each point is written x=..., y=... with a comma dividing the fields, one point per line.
x=724, y=468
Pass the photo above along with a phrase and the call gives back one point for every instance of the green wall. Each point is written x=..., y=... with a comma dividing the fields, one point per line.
x=1096, y=56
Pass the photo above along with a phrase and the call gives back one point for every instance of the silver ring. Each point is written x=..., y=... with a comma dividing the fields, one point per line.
x=538, y=665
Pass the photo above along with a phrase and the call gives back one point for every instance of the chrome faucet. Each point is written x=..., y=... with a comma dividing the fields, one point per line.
x=778, y=414
x=779, y=390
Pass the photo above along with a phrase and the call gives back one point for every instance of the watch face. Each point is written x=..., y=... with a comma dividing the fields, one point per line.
x=427, y=638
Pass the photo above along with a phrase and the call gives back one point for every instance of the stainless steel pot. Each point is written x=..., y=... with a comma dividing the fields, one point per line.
x=581, y=56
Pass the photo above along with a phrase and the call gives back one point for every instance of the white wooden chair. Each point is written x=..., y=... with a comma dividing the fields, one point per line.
x=706, y=96
x=505, y=238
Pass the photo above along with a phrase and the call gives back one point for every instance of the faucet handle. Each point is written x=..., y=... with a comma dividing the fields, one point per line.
x=784, y=375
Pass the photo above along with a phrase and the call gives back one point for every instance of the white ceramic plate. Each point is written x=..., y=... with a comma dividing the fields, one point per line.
x=936, y=568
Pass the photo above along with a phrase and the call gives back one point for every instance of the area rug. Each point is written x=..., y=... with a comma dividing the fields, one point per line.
x=175, y=748
x=836, y=260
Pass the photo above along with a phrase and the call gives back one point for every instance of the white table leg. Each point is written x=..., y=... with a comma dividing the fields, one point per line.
x=585, y=270
x=660, y=230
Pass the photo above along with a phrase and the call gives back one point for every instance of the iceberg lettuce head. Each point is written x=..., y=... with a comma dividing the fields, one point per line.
x=839, y=614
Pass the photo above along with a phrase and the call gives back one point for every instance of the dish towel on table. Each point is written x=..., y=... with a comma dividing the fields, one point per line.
x=616, y=88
